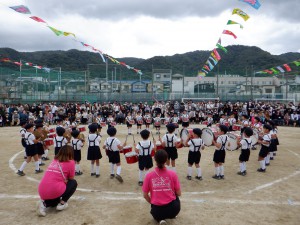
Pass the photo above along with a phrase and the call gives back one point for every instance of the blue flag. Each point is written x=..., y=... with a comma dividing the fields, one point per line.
x=254, y=3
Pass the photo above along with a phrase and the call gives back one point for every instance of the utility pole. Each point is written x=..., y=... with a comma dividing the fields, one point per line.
x=286, y=85
x=246, y=80
x=218, y=80
x=252, y=74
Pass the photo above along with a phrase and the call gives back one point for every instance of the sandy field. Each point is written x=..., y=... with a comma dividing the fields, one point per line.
x=258, y=198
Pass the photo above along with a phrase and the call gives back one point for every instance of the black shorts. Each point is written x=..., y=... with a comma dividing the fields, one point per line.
x=128, y=124
x=40, y=149
x=94, y=153
x=31, y=150
x=113, y=157
x=264, y=151
x=56, y=150
x=244, y=156
x=273, y=146
x=77, y=155
x=172, y=152
x=169, y=211
x=194, y=157
x=185, y=124
x=23, y=142
x=145, y=162
x=219, y=156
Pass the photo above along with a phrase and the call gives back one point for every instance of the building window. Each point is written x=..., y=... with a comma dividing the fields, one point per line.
x=138, y=86
x=157, y=76
x=166, y=76
x=268, y=90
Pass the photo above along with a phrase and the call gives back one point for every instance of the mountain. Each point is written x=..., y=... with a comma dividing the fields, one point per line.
x=236, y=61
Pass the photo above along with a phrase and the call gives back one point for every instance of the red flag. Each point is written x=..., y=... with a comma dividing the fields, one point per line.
x=287, y=67
x=18, y=63
x=217, y=54
x=5, y=60
x=230, y=33
x=37, y=19
x=269, y=71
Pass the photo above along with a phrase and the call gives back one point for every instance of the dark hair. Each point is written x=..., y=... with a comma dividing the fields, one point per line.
x=198, y=132
x=75, y=133
x=268, y=127
x=39, y=125
x=171, y=127
x=223, y=128
x=60, y=131
x=257, y=118
x=248, y=131
x=93, y=127
x=28, y=126
x=111, y=131
x=161, y=157
x=245, y=116
x=145, y=134
x=22, y=123
x=65, y=154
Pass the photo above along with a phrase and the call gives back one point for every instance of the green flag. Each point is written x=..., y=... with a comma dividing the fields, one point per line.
x=297, y=63
x=221, y=47
x=231, y=22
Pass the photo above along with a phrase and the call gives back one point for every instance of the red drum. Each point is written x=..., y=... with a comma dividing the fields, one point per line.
x=236, y=127
x=217, y=124
x=131, y=122
x=166, y=122
x=157, y=124
x=233, y=139
x=205, y=122
x=102, y=124
x=127, y=149
x=185, y=119
x=176, y=125
x=207, y=136
x=52, y=130
x=131, y=157
x=179, y=143
x=226, y=124
x=148, y=120
x=254, y=137
x=52, y=135
x=159, y=146
x=113, y=124
x=152, y=153
x=48, y=142
x=81, y=129
x=140, y=122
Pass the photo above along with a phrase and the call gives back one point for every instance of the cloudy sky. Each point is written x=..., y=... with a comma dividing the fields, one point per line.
x=146, y=28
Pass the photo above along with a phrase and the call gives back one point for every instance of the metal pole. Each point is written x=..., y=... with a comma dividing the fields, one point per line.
x=20, y=96
x=84, y=85
x=286, y=86
x=252, y=82
x=112, y=80
x=218, y=81
x=36, y=86
x=246, y=80
x=106, y=70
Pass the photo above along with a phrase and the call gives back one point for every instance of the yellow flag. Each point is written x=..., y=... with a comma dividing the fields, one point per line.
x=240, y=13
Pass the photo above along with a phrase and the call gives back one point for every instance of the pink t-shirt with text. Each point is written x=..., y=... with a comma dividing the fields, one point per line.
x=52, y=184
x=162, y=188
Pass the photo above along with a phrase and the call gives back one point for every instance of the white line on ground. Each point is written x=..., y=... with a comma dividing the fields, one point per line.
x=294, y=153
x=274, y=182
x=183, y=199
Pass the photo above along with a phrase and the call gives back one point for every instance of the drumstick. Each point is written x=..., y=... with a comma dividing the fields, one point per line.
x=133, y=138
x=126, y=138
x=152, y=136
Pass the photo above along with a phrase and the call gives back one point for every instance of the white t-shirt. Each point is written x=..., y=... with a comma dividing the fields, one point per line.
x=76, y=144
x=22, y=132
x=195, y=144
x=92, y=138
x=59, y=139
x=222, y=139
x=114, y=142
x=171, y=138
x=246, y=143
x=147, y=145
x=267, y=138
x=29, y=138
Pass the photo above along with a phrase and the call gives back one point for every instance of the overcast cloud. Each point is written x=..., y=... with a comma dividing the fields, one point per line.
x=144, y=28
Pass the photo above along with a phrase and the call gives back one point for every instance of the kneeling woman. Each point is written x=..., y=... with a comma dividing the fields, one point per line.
x=58, y=184
x=164, y=188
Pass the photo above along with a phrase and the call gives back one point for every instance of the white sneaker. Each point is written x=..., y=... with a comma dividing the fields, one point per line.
x=40, y=208
x=163, y=222
x=61, y=206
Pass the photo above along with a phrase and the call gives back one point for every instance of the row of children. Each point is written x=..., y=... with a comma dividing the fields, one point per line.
x=144, y=148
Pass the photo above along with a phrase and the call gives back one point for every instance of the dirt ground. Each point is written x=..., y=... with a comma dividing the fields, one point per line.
x=258, y=198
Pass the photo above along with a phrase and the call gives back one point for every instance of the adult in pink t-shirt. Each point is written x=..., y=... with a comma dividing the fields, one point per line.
x=161, y=189
x=58, y=184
